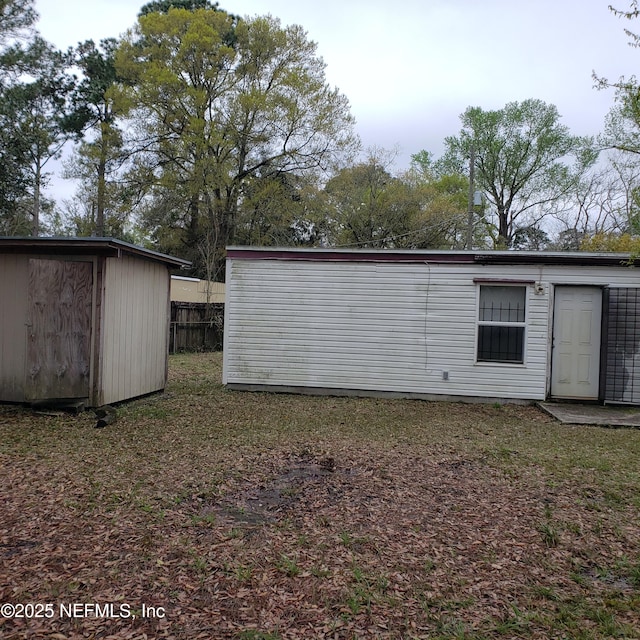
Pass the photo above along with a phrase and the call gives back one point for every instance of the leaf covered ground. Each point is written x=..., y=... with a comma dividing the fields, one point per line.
x=265, y=516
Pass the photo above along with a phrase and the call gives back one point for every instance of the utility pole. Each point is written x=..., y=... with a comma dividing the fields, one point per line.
x=472, y=166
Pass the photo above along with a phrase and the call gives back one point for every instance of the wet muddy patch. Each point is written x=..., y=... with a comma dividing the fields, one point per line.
x=253, y=505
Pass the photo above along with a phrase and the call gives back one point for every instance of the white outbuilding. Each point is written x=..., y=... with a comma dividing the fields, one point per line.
x=499, y=325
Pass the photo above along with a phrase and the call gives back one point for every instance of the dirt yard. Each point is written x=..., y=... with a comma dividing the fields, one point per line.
x=206, y=513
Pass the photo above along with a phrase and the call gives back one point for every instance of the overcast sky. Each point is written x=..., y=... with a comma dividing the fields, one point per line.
x=411, y=67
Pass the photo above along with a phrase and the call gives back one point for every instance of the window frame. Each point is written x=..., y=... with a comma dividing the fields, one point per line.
x=502, y=323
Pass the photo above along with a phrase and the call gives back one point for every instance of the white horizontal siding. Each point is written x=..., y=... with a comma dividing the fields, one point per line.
x=383, y=326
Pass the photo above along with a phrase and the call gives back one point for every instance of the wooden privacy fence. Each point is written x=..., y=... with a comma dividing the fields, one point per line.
x=196, y=326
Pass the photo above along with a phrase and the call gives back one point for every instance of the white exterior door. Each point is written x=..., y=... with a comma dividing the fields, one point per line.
x=575, y=363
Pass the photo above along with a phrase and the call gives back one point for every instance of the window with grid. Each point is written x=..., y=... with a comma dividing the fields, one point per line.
x=501, y=323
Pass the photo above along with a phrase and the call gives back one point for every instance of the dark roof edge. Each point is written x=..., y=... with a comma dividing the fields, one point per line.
x=84, y=246
x=338, y=255
x=421, y=256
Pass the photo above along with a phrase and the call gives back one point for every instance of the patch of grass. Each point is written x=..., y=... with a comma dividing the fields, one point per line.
x=365, y=590
x=198, y=562
x=451, y=628
x=630, y=569
x=606, y=621
x=252, y=634
x=574, y=527
x=587, y=619
x=514, y=622
x=548, y=593
x=320, y=571
x=614, y=499
x=152, y=509
x=346, y=539
x=150, y=410
x=428, y=564
x=355, y=543
x=549, y=533
x=243, y=573
x=208, y=519
x=288, y=566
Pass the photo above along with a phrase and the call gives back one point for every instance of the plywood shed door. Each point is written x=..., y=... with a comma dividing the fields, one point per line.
x=575, y=364
x=59, y=329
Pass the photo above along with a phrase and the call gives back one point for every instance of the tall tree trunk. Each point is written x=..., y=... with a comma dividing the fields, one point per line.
x=36, y=200
x=101, y=196
x=194, y=221
x=503, y=228
x=102, y=179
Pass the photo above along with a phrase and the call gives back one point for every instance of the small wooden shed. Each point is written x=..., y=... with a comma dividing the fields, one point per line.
x=83, y=319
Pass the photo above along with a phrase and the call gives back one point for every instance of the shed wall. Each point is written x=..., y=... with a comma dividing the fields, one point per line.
x=14, y=289
x=135, y=328
x=394, y=327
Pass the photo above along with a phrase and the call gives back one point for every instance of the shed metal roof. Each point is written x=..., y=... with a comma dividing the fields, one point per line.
x=85, y=246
